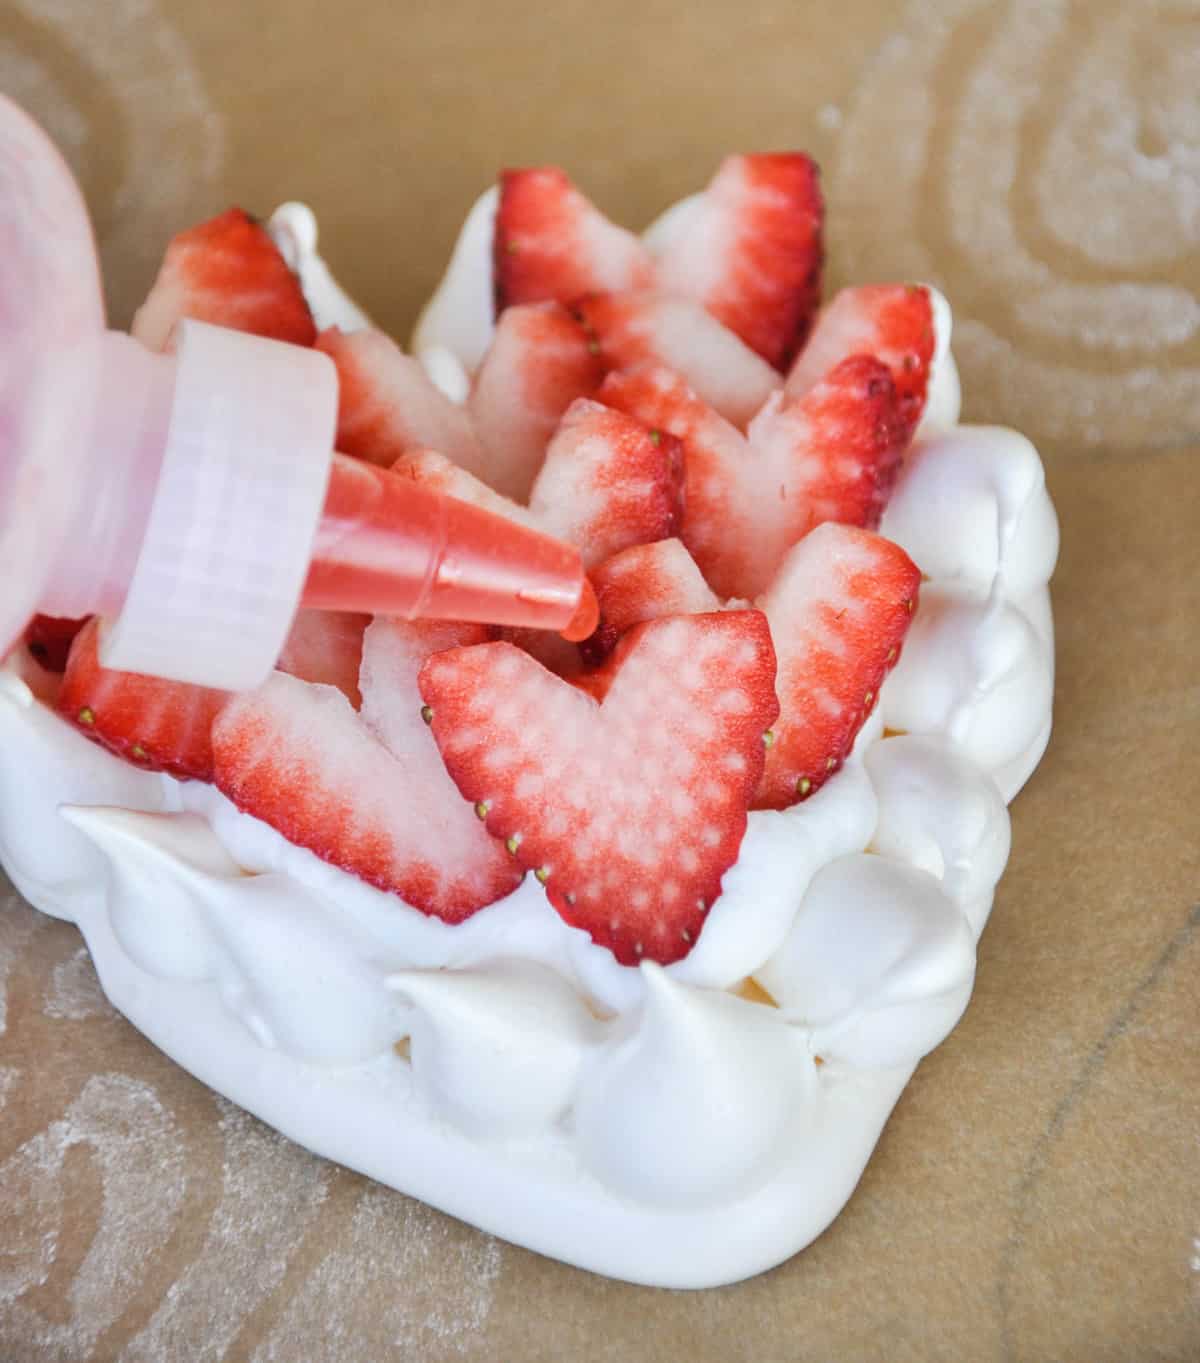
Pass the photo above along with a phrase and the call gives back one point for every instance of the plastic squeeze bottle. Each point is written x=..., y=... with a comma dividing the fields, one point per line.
x=194, y=498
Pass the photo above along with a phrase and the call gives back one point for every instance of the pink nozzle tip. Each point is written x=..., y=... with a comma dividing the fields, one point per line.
x=50, y=313
x=389, y=546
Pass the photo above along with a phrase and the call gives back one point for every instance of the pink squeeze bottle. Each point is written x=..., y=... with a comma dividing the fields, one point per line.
x=194, y=498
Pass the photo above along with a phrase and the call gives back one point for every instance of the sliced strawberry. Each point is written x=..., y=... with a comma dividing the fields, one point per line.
x=539, y=362
x=470, y=859
x=161, y=725
x=298, y=757
x=719, y=477
x=645, y=583
x=751, y=251
x=551, y=242
x=326, y=646
x=634, y=329
x=551, y=650
x=229, y=272
x=829, y=455
x=839, y=610
x=607, y=483
x=893, y=322
x=629, y=811
x=49, y=639
x=435, y=471
x=832, y=454
x=388, y=405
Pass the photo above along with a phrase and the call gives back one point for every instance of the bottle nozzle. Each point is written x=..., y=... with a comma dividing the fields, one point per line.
x=582, y=625
x=393, y=547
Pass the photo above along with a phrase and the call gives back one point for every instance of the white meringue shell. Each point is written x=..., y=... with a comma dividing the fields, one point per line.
x=46, y=763
x=878, y=966
x=974, y=671
x=940, y=812
x=697, y=1101
x=970, y=505
x=496, y=1050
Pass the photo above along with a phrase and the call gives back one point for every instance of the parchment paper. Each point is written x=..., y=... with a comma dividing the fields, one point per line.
x=1037, y=1192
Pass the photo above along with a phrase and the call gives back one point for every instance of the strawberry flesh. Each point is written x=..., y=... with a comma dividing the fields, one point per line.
x=552, y=243
x=752, y=251
x=719, y=477
x=298, y=757
x=645, y=582
x=551, y=650
x=892, y=322
x=607, y=483
x=636, y=329
x=831, y=454
x=839, y=610
x=326, y=647
x=539, y=362
x=229, y=272
x=156, y=724
x=388, y=405
x=631, y=810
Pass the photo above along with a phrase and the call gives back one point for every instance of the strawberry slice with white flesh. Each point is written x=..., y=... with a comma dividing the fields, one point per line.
x=629, y=810
x=298, y=757
x=643, y=583
x=893, y=322
x=434, y=471
x=388, y=405
x=229, y=272
x=539, y=362
x=718, y=474
x=607, y=483
x=839, y=609
x=551, y=243
x=326, y=647
x=751, y=251
x=636, y=329
x=831, y=454
x=156, y=724
x=551, y=650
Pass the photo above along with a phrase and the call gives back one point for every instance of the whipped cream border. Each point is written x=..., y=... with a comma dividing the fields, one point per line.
x=285, y=983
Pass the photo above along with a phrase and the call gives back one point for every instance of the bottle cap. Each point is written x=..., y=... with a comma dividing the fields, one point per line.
x=230, y=531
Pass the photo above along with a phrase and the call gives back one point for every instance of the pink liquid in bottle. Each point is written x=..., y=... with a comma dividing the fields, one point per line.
x=395, y=548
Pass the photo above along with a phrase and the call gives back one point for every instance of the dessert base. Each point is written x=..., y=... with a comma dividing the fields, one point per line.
x=370, y=1118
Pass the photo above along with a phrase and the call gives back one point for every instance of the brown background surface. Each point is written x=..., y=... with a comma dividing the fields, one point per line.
x=1037, y=1193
